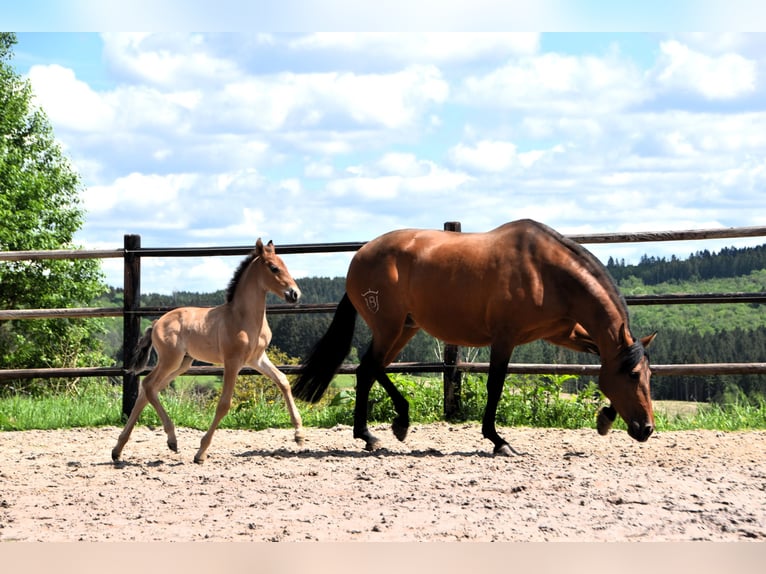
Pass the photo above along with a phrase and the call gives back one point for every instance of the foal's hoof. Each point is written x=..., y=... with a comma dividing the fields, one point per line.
x=173, y=445
x=507, y=450
x=400, y=430
x=299, y=439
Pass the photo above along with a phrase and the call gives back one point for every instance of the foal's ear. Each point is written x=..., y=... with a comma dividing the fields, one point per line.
x=270, y=246
x=259, y=247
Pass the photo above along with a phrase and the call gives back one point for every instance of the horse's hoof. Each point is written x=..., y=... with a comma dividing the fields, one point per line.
x=116, y=455
x=371, y=445
x=400, y=431
x=173, y=445
x=507, y=450
x=199, y=460
x=605, y=419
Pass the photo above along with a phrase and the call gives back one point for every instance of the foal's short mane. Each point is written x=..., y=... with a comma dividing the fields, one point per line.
x=230, y=290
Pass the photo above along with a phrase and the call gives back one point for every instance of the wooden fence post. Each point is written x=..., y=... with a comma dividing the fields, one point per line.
x=131, y=321
x=453, y=408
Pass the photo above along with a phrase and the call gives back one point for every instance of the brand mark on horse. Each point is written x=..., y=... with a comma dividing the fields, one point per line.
x=371, y=299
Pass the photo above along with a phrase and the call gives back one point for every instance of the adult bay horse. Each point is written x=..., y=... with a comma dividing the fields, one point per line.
x=515, y=284
x=235, y=334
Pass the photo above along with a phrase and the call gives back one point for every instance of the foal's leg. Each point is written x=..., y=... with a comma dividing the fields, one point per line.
x=138, y=407
x=498, y=366
x=148, y=391
x=152, y=394
x=230, y=372
x=264, y=365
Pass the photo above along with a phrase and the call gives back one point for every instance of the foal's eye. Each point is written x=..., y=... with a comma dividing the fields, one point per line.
x=274, y=269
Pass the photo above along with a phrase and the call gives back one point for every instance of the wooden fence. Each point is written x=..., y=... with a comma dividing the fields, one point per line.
x=451, y=366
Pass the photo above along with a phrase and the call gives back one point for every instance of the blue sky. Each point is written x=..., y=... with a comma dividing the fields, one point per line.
x=299, y=137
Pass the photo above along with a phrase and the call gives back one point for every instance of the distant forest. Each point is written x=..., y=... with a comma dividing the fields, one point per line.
x=687, y=334
x=729, y=262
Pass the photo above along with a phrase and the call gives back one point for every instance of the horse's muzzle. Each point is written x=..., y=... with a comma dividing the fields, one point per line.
x=640, y=431
x=292, y=295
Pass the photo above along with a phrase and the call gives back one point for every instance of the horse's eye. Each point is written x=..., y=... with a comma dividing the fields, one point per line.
x=635, y=375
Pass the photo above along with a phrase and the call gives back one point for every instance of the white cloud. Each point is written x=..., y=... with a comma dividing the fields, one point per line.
x=721, y=77
x=167, y=60
x=218, y=139
x=555, y=83
x=69, y=102
x=496, y=156
x=411, y=178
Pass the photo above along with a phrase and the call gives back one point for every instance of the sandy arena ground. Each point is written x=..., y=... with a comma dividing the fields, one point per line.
x=442, y=484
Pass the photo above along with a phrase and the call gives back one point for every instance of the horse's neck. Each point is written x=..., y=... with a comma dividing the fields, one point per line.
x=602, y=312
x=249, y=298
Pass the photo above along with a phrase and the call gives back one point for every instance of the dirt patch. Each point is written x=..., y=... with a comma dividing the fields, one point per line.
x=442, y=484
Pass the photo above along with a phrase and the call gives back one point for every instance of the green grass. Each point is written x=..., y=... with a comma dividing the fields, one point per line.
x=526, y=401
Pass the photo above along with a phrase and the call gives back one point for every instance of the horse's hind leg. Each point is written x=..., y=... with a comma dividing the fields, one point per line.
x=365, y=376
x=152, y=394
x=498, y=366
x=265, y=366
x=138, y=407
x=401, y=423
x=148, y=391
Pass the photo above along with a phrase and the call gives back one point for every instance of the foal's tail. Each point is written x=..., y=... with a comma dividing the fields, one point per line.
x=327, y=355
x=141, y=353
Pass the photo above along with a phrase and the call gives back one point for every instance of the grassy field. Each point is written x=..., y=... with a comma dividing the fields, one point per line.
x=526, y=401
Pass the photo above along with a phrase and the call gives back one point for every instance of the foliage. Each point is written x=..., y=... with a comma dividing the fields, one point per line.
x=40, y=195
x=525, y=403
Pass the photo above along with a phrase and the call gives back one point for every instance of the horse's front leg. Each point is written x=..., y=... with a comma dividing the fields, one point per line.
x=498, y=366
x=224, y=404
x=364, y=379
x=265, y=366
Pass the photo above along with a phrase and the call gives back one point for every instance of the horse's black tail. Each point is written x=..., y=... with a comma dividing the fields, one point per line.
x=140, y=357
x=327, y=355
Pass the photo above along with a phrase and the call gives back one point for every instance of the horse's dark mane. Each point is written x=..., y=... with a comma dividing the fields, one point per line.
x=592, y=264
x=231, y=289
x=631, y=356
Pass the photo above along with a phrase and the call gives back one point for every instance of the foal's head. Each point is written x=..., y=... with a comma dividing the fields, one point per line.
x=624, y=379
x=269, y=270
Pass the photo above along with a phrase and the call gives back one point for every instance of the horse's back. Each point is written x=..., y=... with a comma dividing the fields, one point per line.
x=456, y=286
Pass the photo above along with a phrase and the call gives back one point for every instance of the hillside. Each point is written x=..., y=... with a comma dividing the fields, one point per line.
x=687, y=333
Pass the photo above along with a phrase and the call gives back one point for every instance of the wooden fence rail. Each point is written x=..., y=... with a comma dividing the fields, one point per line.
x=451, y=366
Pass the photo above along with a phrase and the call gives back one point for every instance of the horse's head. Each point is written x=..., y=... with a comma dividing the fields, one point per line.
x=624, y=379
x=275, y=276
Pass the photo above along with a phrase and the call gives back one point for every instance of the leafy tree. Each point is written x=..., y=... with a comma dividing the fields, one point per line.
x=40, y=209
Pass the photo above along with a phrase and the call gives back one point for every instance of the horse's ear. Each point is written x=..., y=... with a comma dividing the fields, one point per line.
x=648, y=340
x=626, y=339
